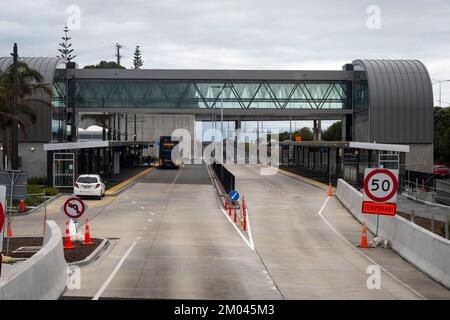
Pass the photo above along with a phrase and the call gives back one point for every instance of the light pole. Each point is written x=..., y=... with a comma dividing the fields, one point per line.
x=221, y=104
x=440, y=89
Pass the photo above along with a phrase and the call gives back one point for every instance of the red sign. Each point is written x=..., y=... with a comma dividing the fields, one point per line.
x=2, y=218
x=74, y=208
x=381, y=180
x=387, y=209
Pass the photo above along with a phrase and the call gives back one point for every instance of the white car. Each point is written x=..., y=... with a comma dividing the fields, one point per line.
x=89, y=185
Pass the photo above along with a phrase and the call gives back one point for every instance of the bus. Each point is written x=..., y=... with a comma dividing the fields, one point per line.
x=166, y=145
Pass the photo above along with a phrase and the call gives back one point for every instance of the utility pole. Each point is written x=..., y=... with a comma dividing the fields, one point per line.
x=118, y=56
x=14, y=128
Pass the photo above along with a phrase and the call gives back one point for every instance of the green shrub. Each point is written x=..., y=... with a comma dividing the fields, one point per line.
x=37, y=180
x=35, y=200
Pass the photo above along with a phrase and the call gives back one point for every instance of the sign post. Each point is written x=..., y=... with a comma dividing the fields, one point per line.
x=380, y=192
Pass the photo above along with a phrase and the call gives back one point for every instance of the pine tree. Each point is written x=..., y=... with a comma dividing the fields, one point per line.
x=137, y=60
x=66, y=51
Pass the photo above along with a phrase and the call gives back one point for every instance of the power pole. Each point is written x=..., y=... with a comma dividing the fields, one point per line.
x=118, y=56
x=14, y=128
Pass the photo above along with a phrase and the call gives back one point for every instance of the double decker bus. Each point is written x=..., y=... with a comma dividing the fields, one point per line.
x=166, y=145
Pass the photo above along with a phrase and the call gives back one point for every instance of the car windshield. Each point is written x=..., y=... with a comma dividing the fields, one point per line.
x=87, y=180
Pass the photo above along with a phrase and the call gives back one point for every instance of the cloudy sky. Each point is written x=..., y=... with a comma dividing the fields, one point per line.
x=238, y=34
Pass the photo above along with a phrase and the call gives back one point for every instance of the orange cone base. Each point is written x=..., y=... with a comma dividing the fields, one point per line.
x=68, y=244
x=87, y=241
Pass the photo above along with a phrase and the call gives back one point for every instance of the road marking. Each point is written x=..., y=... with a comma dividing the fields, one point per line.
x=149, y=220
x=174, y=181
x=248, y=242
x=133, y=202
x=113, y=274
x=139, y=238
x=142, y=208
x=152, y=213
x=363, y=254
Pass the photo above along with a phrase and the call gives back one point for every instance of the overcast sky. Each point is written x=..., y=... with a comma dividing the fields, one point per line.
x=236, y=34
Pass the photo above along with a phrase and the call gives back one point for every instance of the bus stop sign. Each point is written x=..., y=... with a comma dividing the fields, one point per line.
x=380, y=191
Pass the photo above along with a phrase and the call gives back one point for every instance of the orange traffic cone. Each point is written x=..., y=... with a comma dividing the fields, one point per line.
x=330, y=190
x=22, y=206
x=9, y=234
x=68, y=243
x=87, y=234
x=226, y=204
x=364, y=243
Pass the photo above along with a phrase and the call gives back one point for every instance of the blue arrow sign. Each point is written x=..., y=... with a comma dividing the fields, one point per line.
x=233, y=195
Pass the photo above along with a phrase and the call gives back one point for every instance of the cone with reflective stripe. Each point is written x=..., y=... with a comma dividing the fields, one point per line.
x=330, y=190
x=22, y=206
x=364, y=243
x=9, y=234
x=87, y=234
x=67, y=242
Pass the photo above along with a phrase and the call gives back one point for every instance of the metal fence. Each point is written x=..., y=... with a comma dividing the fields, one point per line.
x=443, y=192
x=225, y=176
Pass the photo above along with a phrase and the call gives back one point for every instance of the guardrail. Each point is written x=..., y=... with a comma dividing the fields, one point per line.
x=422, y=248
x=225, y=177
x=41, y=277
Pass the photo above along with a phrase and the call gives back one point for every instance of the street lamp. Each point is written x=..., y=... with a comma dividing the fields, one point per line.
x=440, y=89
x=221, y=104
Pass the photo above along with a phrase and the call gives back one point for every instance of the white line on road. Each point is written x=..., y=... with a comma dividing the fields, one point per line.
x=152, y=213
x=142, y=208
x=249, y=243
x=113, y=274
x=363, y=254
x=149, y=220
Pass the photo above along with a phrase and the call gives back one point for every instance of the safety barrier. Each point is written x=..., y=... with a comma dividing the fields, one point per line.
x=425, y=250
x=226, y=178
x=41, y=277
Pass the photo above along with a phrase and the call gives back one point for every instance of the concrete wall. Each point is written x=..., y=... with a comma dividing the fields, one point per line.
x=422, y=248
x=420, y=158
x=41, y=277
x=34, y=162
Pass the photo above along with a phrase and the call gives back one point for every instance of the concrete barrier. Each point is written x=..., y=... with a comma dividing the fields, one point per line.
x=41, y=277
x=425, y=250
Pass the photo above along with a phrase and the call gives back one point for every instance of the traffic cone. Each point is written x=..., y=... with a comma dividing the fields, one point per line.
x=364, y=243
x=330, y=190
x=9, y=234
x=226, y=204
x=87, y=234
x=68, y=243
x=22, y=206
x=235, y=215
x=229, y=208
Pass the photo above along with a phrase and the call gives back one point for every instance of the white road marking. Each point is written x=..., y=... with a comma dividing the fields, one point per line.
x=142, y=208
x=139, y=238
x=363, y=254
x=249, y=243
x=113, y=274
x=149, y=220
x=133, y=202
x=152, y=213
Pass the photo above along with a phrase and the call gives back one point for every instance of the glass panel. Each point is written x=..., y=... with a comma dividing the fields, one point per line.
x=99, y=93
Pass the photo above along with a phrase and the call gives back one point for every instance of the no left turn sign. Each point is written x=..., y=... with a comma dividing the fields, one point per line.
x=74, y=208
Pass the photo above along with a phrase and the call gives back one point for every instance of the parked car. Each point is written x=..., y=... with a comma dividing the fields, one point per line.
x=89, y=185
x=441, y=171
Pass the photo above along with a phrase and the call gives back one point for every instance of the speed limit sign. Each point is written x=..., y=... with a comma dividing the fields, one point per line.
x=380, y=191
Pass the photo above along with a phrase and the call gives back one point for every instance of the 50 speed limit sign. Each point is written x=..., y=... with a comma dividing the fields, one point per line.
x=380, y=191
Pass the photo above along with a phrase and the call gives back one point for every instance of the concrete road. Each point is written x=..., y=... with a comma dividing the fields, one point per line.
x=173, y=242
x=310, y=257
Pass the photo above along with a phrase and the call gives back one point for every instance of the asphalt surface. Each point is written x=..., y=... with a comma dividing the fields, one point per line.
x=310, y=257
x=169, y=239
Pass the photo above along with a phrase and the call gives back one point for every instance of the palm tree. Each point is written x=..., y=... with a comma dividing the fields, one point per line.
x=29, y=85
